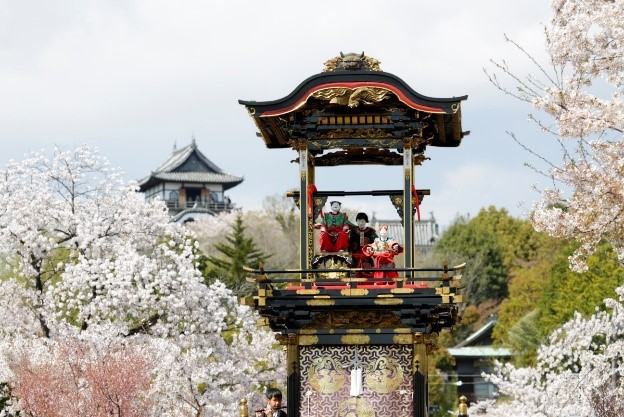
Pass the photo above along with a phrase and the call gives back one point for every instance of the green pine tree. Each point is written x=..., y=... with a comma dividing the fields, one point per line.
x=238, y=252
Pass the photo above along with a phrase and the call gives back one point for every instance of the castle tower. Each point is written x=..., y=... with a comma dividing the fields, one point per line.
x=190, y=184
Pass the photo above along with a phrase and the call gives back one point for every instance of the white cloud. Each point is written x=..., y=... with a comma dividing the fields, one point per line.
x=133, y=77
x=470, y=187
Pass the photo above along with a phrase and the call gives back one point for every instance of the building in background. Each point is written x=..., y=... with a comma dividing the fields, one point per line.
x=474, y=356
x=426, y=232
x=190, y=184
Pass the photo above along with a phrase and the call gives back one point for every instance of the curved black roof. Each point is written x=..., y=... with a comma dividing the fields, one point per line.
x=189, y=165
x=372, y=78
x=442, y=129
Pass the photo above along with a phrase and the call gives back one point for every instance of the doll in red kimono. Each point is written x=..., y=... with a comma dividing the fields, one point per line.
x=334, y=229
x=383, y=250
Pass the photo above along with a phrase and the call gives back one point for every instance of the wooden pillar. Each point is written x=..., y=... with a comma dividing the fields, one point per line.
x=306, y=206
x=408, y=204
x=420, y=369
x=293, y=374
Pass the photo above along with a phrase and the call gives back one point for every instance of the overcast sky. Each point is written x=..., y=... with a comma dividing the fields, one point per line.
x=136, y=77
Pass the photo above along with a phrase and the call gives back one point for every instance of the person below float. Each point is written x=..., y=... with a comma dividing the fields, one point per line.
x=382, y=250
x=274, y=404
x=334, y=227
x=359, y=237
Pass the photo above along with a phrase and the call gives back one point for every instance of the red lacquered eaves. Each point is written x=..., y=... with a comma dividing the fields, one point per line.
x=305, y=96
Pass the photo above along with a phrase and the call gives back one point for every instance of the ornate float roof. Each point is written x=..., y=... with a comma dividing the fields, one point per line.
x=189, y=165
x=353, y=99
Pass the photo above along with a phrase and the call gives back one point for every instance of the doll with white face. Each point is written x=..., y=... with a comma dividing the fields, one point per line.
x=383, y=250
x=334, y=228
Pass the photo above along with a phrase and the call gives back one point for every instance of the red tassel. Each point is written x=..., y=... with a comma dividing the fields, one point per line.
x=311, y=191
x=416, y=201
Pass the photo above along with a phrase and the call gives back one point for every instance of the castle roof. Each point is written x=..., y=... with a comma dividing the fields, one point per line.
x=189, y=165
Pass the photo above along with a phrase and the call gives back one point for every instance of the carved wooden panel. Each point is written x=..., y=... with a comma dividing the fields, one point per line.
x=326, y=381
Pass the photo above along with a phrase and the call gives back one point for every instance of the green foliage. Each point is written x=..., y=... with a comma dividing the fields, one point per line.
x=545, y=294
x=528, y=273
x=238, y=252
x=524, y=338
x=567, y=291
x=6, y=269
x=519, y=241
x=504, y=228
x=509, y=262
x=442, y=394
x=517, y=326
x=485, y=275
x=525, y=290
x=202, y=387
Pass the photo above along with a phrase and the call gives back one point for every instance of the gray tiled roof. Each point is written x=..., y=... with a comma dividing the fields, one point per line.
x=178, y=157
x=477, y=334
x=480, y=351
x=465, y=349
x=197, y=177
x=201, y=170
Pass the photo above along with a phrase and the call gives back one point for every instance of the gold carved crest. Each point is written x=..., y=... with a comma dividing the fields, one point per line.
x=352, y=97
x=384, y=375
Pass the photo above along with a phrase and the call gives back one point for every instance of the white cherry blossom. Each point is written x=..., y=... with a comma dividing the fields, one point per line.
x=579, y=371
x=86, y=260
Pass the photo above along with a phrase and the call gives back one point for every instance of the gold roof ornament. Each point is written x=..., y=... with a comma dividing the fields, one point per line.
x=352, y=62
x=243, y=411
x=463, y=406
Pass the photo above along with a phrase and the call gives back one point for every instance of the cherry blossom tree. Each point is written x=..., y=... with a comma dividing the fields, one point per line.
x=581, y=91
x=86, y=248
x=236, y=368
x=73, y=377
x=84, y=256
x=579, y=371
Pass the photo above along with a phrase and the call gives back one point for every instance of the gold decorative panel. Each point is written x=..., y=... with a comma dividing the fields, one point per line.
x=357, y=319
x=352, y=97
x=326, y=381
